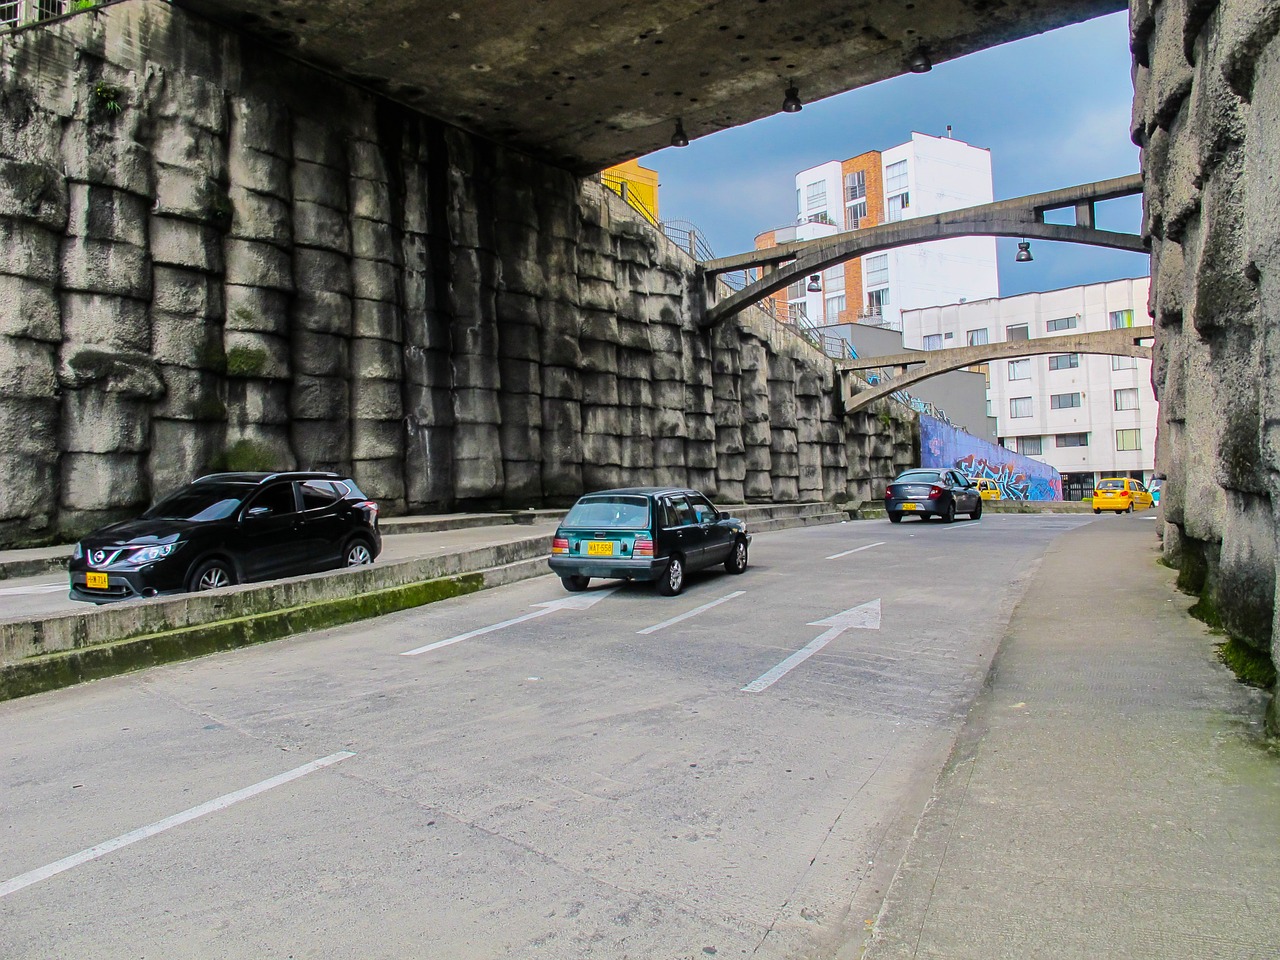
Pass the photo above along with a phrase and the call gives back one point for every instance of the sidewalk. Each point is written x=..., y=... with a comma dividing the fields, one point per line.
x=1109, y=795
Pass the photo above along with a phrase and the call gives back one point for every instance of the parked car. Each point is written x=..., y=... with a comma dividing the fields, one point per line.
x=1121, y=494
x=929, y=492
x=646, y=533
x=1156, y=486
x=229, y=528
x=988, y=489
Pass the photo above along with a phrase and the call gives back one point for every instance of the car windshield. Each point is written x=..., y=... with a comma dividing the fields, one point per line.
x=918, y=476
x=623, y=512
x=1110, y=484
x=200, y=503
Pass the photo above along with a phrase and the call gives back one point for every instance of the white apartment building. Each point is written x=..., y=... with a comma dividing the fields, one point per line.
x=1088, y=416
x=924, y=176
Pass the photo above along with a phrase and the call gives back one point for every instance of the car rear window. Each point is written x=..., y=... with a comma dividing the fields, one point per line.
x=1110, y=484
x=918, y=476
x=201, y=503
x=621, y=512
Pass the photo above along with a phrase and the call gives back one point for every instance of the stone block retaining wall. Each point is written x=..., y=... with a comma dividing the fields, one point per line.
x=213, y=257
x=1207, y=115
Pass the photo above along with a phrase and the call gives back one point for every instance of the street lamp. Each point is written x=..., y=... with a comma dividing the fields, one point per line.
x=1024, y=252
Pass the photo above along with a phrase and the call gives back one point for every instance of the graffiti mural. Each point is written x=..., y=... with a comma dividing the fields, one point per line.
x=1018, y=477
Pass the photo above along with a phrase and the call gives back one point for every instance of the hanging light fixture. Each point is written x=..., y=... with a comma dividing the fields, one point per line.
x=920, y=62
x=678, y=139
x=815, y=283
x=1024, y=252
x=791, y=103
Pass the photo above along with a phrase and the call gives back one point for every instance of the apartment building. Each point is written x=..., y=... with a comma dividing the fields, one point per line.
x=924, y=176
x=1087, y=416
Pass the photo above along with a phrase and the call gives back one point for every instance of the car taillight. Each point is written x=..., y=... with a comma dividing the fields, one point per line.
x=642, y=548
x=560, y=545
x=935, y=492
x=368, y=505
x=888, y=494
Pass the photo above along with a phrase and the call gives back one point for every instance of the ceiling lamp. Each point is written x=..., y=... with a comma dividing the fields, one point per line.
x=1024, y=252
x=815, y=283
x=920, y=62
x=678, y=139
x=791, y=103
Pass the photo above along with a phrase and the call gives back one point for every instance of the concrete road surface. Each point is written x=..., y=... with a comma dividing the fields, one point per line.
x=732, y=773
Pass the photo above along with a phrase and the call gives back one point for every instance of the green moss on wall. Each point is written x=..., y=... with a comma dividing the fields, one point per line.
x=1250, y=665
x=245, y=455
x=246, y=361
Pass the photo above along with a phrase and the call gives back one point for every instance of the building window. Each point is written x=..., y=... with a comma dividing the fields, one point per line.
x=797, y=290
x=1128, y=440
x=1121, y=319
x=854, y=214
x=1064, y=401
x=896, y=204
x=977, y=337
x=799, y=311
x=1072, y=440
x=1127, y=399
x=1019, y=407
x=816, y=195
x=855, y=187
x=990, y=410
x=833, y=279
x=1020, y=369
x=1124, y=363
x=933, y=341
x=1065, y=323
x=876, y=269
x=877, y=300
x=1018, y=331
x=835, y=306
x=1064, y=361
x=1031, y=446
x=895, y=176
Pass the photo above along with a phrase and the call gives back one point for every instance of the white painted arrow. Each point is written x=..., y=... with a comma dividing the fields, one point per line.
x=866, y=616
x=583, y=601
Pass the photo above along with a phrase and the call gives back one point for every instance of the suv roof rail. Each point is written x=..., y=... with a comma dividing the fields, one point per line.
x=259, y=477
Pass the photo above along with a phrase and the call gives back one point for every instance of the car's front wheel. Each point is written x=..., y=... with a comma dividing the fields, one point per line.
x=575, y=583
x=358, y=554
x=672, y=580
x=737, y=561
x=213, y=575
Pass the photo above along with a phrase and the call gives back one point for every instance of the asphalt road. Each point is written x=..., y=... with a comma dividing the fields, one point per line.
x=614, y=775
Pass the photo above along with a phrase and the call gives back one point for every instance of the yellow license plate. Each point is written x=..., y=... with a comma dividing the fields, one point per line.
x=95, y=581
x=599, y=548
x=908, y=506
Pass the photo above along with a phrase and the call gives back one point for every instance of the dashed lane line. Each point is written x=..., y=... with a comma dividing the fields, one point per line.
x=692, y=613
x=837, y=556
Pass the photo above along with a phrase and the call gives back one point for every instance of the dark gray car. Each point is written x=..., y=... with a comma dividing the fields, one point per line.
x=932, y=492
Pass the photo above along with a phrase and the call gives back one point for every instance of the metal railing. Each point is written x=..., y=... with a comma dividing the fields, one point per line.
x=622, y=188
x=20, y=13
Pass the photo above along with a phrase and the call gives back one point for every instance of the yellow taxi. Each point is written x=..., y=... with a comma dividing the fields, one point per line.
x=987, y=489
x=1121, y=494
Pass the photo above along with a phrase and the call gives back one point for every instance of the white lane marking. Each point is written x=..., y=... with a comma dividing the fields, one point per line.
x=581, y=602
x=865, y=616
x=168, y=823
x=692, y=613
x=34, y=589
x=837, y=556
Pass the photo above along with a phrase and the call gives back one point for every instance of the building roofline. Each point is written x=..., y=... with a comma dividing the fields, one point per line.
x=1030, y=293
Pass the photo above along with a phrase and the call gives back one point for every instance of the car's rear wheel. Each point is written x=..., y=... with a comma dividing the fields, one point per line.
x=213, y=575
x=737, y=561
x=895, y=517
x=358, y=554
x=1097, y=509
x=948, y=513
x=672, y=580
x=1129, y=508
x=976, y=513
x=575, y=583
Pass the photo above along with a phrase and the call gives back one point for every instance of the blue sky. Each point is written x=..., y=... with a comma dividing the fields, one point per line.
x=1053, y=109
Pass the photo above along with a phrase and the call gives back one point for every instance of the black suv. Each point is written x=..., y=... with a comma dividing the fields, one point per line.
x=229, y=528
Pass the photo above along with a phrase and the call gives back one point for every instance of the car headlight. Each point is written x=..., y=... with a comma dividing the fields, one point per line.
x=151, y=554
x=77, y=552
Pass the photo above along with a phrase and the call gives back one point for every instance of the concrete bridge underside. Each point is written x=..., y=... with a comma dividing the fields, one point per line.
x=917, y=366
x=583, y=84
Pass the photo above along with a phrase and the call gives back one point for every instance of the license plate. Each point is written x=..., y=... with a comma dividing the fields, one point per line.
x=599, y=548
x=908, y=506
x=95, y=581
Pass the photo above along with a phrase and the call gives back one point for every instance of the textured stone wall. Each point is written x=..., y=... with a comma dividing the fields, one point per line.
x=211, y=257
x=1207, y=115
